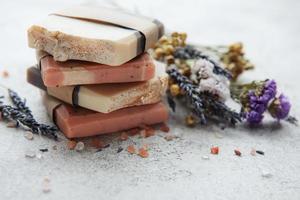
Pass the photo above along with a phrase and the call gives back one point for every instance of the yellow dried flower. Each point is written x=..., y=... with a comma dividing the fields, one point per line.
x=183, y=36
x=169, y=59
x=163, y=39
x=175, y=34
x=236, y=47
x=235, y=61
x=176, y=42
x=169, y=49
x=174, y=90
x=190, y=120
x=159, y=52
x=186, y=71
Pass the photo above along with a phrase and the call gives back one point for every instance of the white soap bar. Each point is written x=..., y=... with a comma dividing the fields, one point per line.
x=98, y=35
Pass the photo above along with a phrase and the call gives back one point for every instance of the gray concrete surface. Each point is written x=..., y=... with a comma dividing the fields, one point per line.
x=175, y=170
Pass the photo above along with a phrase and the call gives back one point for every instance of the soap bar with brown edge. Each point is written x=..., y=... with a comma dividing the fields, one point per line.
x=95, y=34
x=80, y=122
x=109, y=97
x=74, y=72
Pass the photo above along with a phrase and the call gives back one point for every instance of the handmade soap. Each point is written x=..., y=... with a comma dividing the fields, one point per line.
x=95, y=34
x=76, y=72
x=106, y=98
x=80, y=122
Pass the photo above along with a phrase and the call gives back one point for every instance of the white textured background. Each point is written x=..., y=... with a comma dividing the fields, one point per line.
x=270, y=31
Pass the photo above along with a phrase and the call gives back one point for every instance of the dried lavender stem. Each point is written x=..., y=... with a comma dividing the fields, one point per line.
x=22, y=115
x=14, y=114
x=19, y=103
x=190, y=91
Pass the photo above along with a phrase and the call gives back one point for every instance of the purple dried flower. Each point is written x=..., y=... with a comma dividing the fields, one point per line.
x=258, y=103
x=280, y=107
x=270, y=89
x=254, y=117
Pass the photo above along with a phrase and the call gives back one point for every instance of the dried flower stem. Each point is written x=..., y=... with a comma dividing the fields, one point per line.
x=19, y=103
x=205, y=104
x=22, y=115
x=14, y=114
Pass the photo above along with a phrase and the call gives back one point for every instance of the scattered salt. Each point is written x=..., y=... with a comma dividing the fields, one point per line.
x=28, y=135
x=123, y=136
x=205, y=158
x=170, y=137
x=131, y=149
x=71, y=144
x=237, y=152
x=30, y=154
x=266, y=174
x=143, y=153
x=253, y=152
x=214, y=150
x=46, y=185
x=79, y=146
x=39, y=156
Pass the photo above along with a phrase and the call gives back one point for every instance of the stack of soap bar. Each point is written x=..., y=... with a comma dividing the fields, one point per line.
x=94, y=69
x=80, y=122
x=73, y=72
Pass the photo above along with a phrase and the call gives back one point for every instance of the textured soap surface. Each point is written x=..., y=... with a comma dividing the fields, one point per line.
x=68, y=37
x=76, y=72
x=80, y=122
x=106, y=98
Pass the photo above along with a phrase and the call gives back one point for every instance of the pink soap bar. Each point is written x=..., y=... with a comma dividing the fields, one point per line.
x=76, y=72
x=83, y=123
x=80, y=122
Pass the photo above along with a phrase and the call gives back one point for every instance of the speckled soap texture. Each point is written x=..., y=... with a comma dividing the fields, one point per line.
x=96, y=34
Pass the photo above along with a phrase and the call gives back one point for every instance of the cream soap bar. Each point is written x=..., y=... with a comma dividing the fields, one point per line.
x=80, y=122
x=100, y=35
x=106, y=98
x=75, y=72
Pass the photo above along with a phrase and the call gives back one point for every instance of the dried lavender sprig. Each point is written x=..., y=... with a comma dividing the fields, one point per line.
x=204, y=103
x=190, y=91
x=218, y=108
x=190, y=52
x=19, y=103
x=11, y=113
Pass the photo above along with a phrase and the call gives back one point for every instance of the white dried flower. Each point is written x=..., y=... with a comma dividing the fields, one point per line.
x=215, y=87
x=202, y=69
x=202, y=74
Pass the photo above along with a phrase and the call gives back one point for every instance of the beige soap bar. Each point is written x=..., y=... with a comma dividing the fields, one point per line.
x=100, y=35
x=106, y=98
x=80, y=122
